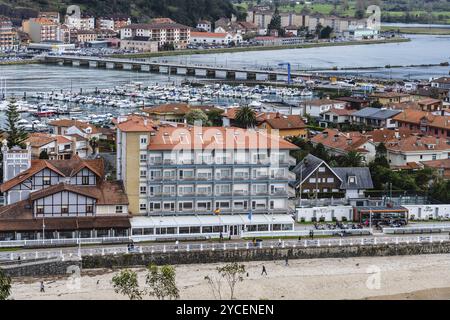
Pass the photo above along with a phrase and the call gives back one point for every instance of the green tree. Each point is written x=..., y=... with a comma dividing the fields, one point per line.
x=440, y=190
x=16, y=134
x=360, y=9
x=215, y=117
x=126, y=283
x=246, y=117
x=197, y=115
x=275, y=23
x=232, y=273
x=320, y=152
x=381, y=156
x=43, y=155
x=162, y=282
x=352, y=159
x=326, y=32
x=5, y=285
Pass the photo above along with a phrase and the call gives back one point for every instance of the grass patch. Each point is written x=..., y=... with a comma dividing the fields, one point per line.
x=10, y=249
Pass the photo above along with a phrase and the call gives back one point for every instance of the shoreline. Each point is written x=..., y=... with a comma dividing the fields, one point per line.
x=396, y=277
x=258, y=48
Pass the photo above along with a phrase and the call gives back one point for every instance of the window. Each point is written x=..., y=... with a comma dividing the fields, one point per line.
x=144, y=140
x=119, y=209
x=143, y=190
x=46, y=181
x=169, y=206
x=143, y=174
x=155, y=206
x=89, y=208
x=64, y=209
x=143, y=207
x=40, y=209
x=322, y=169
x=184, y=206
x=330, y=180
x=352, y=179
x=143, y=157
x=84, y=180
x=312, y=180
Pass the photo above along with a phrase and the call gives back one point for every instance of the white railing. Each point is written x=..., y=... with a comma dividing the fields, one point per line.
x=61, y=242
x=71, y=253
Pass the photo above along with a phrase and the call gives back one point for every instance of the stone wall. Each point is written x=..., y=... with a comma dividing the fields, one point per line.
x=59, y=267
x=54, y=267
x=265, y=254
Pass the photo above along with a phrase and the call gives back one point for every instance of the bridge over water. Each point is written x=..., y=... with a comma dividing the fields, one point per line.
x=173, y=68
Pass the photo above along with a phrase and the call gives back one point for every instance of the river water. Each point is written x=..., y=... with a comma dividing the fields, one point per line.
x=421, y=50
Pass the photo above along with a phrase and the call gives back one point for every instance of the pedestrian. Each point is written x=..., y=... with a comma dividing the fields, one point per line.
x=287, y=261
x=18, y=259
x=264, y=270
x=279, y=242
x=42, y=286
x=176, y=244
x=221, y=236
x=299, y=238
x=254, y=242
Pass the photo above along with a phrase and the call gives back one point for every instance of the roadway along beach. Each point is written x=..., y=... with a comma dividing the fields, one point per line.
x=400, y=277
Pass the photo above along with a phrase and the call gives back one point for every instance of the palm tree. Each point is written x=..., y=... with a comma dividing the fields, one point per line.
x=246, y=117
x=352, y=159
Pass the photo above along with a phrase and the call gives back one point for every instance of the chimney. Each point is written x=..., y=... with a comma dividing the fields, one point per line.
x=145, y=122
x=397, y=134
x=325, y=134
x=335, y=138
x=419, y=141
x=349, y=141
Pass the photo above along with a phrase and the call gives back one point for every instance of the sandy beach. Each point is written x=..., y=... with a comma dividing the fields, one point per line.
x=400, y=277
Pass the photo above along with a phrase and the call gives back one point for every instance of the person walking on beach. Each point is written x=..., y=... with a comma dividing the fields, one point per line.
x=287, y=261
x=42, y=287
x=264, y=270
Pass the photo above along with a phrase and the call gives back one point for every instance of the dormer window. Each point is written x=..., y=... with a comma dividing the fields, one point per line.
x=351, y=179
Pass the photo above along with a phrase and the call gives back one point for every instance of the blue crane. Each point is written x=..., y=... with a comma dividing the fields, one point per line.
x=288, y=69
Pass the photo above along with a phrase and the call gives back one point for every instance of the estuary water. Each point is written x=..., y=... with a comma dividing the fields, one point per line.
x=423, y=49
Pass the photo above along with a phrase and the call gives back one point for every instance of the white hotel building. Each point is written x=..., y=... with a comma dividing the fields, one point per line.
x=197, y=178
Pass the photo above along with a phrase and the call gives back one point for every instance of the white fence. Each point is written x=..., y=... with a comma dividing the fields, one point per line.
x=70, y=253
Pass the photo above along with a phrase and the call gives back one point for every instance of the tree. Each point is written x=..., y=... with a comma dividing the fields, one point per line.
x=216, y=286
x=126, y=283
x=93, y=143
x=381, y=156
x=320, y=152
x=16, y=134
x=246, y=117
x=215, y=117
x=232, y=273
x=275, y=23
x=360, y=9
x=5, y=285
x=440, y=190
x=325, y=33
x=43, y=155
x=352, y=159
x=162, y=282
x=196, y=115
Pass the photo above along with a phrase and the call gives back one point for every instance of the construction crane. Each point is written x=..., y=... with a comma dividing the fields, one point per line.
x=288, y=70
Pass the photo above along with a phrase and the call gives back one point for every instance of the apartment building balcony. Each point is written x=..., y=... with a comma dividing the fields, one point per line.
x=262, y=177
x=204, y=194
x=246, y=177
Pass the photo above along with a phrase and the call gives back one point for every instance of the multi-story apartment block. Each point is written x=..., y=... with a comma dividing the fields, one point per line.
x=80, y=23
x=112, y=23
x=41, y=29
x=170, y=170
x=165, y=31
x=51, y=15
x=8, y=36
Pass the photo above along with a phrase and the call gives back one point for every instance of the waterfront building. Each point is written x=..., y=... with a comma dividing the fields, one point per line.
x=41, y=29
x=193, y=171
x=141, y=44
x=340, y=143
x=8, y=35
x=360, y=32
x=84, y=22
x=213, y=38
x=442, y=167
x=163, y=30
x=424, y=122
x=441, y=83
x=315, y=178
x=63, y=198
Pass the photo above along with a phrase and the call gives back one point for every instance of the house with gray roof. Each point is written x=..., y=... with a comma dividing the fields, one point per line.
x=315, y=178
x=374, y=117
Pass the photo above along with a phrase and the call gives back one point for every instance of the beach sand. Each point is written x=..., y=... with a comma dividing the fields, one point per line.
x=397, y=277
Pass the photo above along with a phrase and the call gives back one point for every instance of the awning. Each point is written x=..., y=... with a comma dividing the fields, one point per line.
x=195, y=221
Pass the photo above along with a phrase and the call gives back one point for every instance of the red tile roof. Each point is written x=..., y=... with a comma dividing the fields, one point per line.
x=334, y=139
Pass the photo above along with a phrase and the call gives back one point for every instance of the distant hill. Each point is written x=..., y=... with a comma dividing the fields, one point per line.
x=184, y=11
